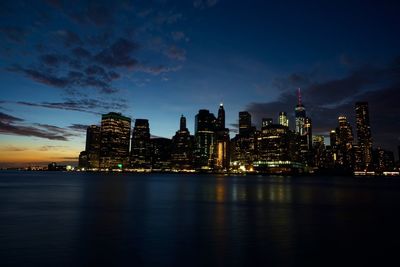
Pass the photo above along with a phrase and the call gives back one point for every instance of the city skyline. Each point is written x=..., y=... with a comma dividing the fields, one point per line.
x=63, y=65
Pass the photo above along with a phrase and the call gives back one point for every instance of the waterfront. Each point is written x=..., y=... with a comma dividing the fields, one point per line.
x=120, y=219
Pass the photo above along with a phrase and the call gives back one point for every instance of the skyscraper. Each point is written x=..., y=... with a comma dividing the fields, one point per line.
x=244, y=144
x=221, y=117
x=283, y=119
x=308, y=132
x=161, y=153
x=141, y=146
x=205, y=125
x=182, y=147
x=319, y=151
x=182, y=123
x=363, y=135
x=345, y=143
x=244, y=122
x=300, y=115
x=304, y=130
x=114, y=145
x=222, y=142
x=93, y=141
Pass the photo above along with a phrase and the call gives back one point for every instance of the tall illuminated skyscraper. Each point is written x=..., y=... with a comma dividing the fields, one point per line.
x=363, y=134
x=345, y=143
x=283, y=119
x=304, y=130
x=300, y=115
x=222, y=142
x=115, y=135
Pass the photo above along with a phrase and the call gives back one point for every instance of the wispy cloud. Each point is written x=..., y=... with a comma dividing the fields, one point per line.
x=16, y=126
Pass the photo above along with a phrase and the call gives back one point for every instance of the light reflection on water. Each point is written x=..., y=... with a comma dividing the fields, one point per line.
x=90, y=219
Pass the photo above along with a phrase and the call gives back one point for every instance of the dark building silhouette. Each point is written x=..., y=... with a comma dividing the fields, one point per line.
x=93, y=143
x=161, y=153
x=221, y=117
x=140, y=145
x=319, y=152
x=83, y=160
x=205, y=125
x=114, y=143
x=398, y=150
x=363, y=136
x=383, y=160
x=244, y=144
x=182, y=148
x=244, y=123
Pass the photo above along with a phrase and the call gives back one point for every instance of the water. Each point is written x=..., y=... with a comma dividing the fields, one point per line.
x=93, y=219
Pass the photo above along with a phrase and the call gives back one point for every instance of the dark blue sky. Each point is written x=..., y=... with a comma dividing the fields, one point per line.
x=62, y=63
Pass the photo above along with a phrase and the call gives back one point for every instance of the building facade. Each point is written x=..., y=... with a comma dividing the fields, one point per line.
x=114, y=143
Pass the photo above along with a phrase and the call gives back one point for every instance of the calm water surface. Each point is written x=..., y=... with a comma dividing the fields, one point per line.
x=93, y=219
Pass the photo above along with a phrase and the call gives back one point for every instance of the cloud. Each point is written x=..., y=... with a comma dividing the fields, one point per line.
x=69, y=38
x=176, y=53
x=6, y=118
x=93, y=106
x=12, y=148
x=81, y=52
x=326, y=100
x=156, y=70
x=14, y=34
x=78, y=127
x=52, y=60
x=42, y=77
x=10, y=125
x=94, y=55
x=68, y=81
x=47, y=148
x=118, y=54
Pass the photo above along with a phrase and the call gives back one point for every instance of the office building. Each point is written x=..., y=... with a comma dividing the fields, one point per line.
x=205, y=125
x=93, y=143
x=114, y=141
x=244, y=123
x=140, y=145
x=363, y=136
x=182, y=147
x=345, y=143
x=283, y=119
x=222, y=143
x=265, y=122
